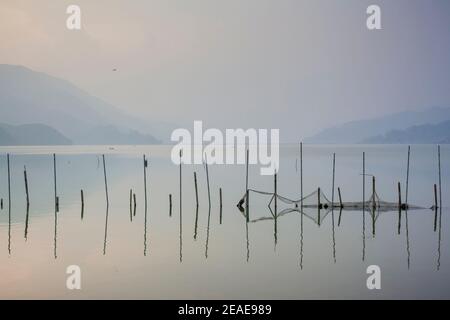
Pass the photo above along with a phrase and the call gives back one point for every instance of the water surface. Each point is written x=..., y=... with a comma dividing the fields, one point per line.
x=287, y=258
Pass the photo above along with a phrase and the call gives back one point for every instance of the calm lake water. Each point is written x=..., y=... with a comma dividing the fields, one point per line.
x=143, y=259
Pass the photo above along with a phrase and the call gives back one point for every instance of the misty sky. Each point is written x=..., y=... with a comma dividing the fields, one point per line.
x=298, y=65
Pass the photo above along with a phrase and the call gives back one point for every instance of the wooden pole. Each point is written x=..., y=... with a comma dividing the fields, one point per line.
x=275, y=194
x=107, y=204
x=131, y=204
x=207, y=182
x=181, y=209
x=145, y=205
x=170, y=205
x=374, y=205
x=26, y=185
x=407, y=177
x=196, y=223
x=9, y=181
x=319, y=205
x=364, y=180
x=440, y=180
x=247, y=192
x=220, y=197
x=134, y=205
x=399, y=208
x=301, y=177
x=82, y=204
x=145, y=183
x=27, y=217
x=332, y=185
x=9, y=205
x=196, y=188
x=106, y=181
x=435, y=207
x=54, y=178
x=374, y=201
x=56, y=210
x=364, y=207
x=341, y=206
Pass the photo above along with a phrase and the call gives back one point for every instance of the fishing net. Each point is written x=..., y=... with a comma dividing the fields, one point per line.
x=316, y=206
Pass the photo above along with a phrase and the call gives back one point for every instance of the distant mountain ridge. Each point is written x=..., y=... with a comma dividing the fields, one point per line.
x=31, y=135
x=27, y=97
x=428, y=133
x=364, y=130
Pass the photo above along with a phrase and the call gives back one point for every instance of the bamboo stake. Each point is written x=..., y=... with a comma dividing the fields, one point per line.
x=399, y=208
x=301, y=177
x=181, y=212
x=440, y=181
x=220, y=197
x=145, y=182
x=341, y=206
x=54, y=177
x=26, y=185
x=196, y=223
x=131, y=204
x=374, y=205
x=27, y=218
x=28, y=202
x=82, y=204
x=207, y=181
x=332, y=185
x=407, y=177
x=364, y=180
x=170, y=205
x=275, y=193
x=145, y=205
x=134, y=205
x=318, y=206
x=247, y=199
x=106, y=181
x=9, y=205
x=55, y=235
x=196, y=188
x=374, y=202
x=364, y=207
x=435, y=207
